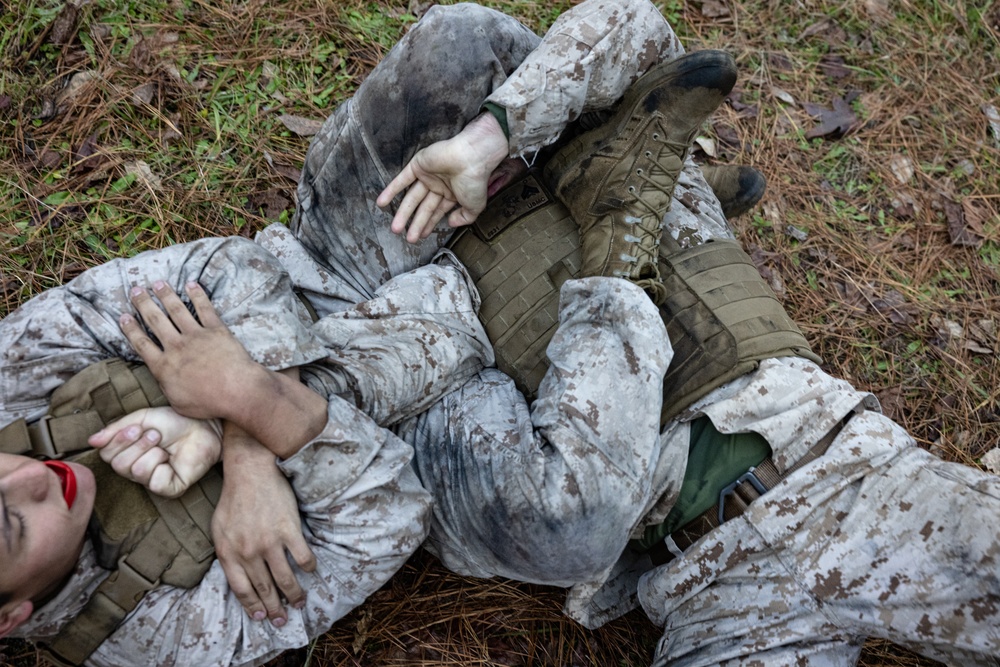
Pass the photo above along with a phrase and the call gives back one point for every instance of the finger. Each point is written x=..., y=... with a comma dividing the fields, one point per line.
x=263, y=584
x=285, y=579
x=153, y=316
x=178, y=312
x=153, y=471
x=423, y=217
x=403, y=180
x=461, y=217
x=203, y=305
x=121, y=455
x=103, y=437
x=143, y=345
x=239, y=584
x=301, y=553
x=413, y=197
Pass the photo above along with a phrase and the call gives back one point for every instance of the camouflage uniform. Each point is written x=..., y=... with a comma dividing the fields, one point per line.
x=364, y=511
x=852, y=545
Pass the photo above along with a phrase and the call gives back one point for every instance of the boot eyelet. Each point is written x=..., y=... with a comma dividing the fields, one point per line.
x=656, y=135
x=631, y=188
x=649, y=153
x=639, y=171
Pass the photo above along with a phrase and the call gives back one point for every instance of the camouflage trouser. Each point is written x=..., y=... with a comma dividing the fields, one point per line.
x=434, y=82
x=877, y=538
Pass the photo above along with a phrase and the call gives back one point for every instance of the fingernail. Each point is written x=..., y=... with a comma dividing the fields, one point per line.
x=300, y=604
x=259, y=615
x=136, y=291
x=278, y=622
x=125, y=319
x=132, y=432
x=192, y=285
x=152, y=436
x=158, y=285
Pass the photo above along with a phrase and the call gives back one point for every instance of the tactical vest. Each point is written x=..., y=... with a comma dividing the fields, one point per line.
x=721, y=317
x=144, y=539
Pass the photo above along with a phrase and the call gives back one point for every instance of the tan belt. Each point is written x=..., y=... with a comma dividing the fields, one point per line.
x=735, y=498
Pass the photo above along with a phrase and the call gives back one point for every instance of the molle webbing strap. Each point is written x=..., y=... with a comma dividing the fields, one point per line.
x=722, y=320
x=721, y=316
x=97, y=395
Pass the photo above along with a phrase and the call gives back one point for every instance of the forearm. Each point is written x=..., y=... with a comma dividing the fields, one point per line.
x=277, y=410
x=587, y=60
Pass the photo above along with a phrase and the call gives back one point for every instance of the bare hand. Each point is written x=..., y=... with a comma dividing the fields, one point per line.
x=445, y=175
x=202, y=369
x=255, y=527
x=160, y=449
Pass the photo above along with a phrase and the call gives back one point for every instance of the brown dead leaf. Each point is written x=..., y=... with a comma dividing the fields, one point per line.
x=87, y=157
x=64, y=27
x=735, y=99
x=72, y=270
x=270, y=203
x=144, y=94
x=851, y=297
x=904, y=206
x=145, y=53
x=960, y=231
x=763, y=261
x=780, y=62
x=835, y=122
x=902, y=168
x=727, y=136
x=49, y=159
x=893, y=402
x=714, y=9
x=834, y=67
x=893, y=306
x=304, y=127
x=77, y=84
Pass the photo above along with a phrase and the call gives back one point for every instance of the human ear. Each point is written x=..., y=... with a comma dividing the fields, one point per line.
x=13, y=614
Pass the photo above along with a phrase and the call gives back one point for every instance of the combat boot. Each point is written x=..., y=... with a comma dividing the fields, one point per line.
x=737, y=187
x=617, y=180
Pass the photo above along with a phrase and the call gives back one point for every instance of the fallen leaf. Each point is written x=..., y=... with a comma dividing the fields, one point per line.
x=87, y=157
x=782, y=95
x=960, y=231
x=834, y=122
x=270, y=203
x=4, y=102
x=77, y=83
x=144, y=94
x=64, y=27
x=304, y=127
x=904, y=206
x=144, y=174
x=727, y=136
x=893, y=403
x=780, y=62
x=291, y=173
x=893, y=305
x=991, y=461
x=49, y=159
x=852, y=297
x=796, y=233
x=834, y=67
x=902, y=168
x=706, y=145
x=877, y=8
x=993, y=117
x=714, y=9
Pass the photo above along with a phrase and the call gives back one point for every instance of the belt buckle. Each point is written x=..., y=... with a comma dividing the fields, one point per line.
x=729, y=490
x=41, y=438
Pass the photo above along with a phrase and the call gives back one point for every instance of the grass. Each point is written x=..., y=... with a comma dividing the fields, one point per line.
x=126, y=126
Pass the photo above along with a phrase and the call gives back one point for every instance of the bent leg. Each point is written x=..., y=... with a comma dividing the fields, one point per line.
x=550, y=494
x=429, y=86
x=60, y=332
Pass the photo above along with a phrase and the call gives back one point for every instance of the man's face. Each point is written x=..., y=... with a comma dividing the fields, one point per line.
x=40, y=533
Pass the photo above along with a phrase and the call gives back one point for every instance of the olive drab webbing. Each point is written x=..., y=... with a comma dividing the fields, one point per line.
x=721, y=316
x=144, y=539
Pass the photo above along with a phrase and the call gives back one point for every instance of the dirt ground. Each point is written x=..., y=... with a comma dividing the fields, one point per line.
x=129, y=126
